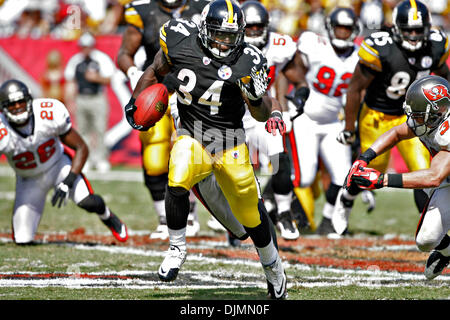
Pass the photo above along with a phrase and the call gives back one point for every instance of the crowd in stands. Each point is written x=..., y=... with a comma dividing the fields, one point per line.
x=67, y=19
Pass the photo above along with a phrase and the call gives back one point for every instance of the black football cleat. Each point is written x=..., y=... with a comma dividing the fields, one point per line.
x=436, y=263
x=117, y=227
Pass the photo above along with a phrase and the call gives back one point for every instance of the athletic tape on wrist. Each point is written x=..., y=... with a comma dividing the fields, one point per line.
x=368, y=155
x=395, y=180
x=277, y=114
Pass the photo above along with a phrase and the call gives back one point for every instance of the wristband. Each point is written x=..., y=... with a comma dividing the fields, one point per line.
x=368, y=155
x=131, y=71
x=277, y=114
x=395, y=180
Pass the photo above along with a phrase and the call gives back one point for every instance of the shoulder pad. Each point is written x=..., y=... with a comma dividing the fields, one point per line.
x=373, y=47
x=251, y=58
x=440, y=39
x=4, y=134
x=55, y=111
x=442, y=135
x=173, y=32
x=283, y=46
x=132, y=13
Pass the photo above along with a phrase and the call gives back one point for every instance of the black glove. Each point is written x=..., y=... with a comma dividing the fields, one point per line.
x=62, y=190
x=130, y=109
x=299, y=98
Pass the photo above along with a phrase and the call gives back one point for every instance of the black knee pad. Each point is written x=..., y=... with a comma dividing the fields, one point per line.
x=259, y=234
x=177, y=207
x=93, y=203
x=332, y=192
x=421, y=199
x=281, y=182
x=156, y=185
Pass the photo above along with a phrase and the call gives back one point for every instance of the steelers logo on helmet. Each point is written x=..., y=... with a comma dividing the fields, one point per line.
x=221, y=28
x=411, y=24
x=13, y=92
x=256, y=23
x=427, y=104
x=336, y=23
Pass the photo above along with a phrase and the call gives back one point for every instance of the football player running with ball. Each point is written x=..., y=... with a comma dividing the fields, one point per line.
x=389, y=61
x=32, y=134
x=215, y=74
x=427, y=108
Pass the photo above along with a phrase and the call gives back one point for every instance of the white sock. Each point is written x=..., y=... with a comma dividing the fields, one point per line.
x=268, y=254
x=446, y=251
x=178, y=238
x=327, y=211
x=160, y=207
x=105, y=215
x=283, y=201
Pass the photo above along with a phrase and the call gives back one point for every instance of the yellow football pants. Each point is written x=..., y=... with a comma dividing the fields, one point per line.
x=156, y=143
x=191, y=163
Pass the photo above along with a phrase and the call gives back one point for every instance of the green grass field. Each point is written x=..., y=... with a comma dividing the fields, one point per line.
x=70, y=264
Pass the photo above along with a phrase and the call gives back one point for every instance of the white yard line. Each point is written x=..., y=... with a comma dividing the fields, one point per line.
x=372, y=278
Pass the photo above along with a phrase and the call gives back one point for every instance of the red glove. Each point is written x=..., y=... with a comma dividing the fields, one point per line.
x=368, y=178
x=355, y=167
x=276, y=122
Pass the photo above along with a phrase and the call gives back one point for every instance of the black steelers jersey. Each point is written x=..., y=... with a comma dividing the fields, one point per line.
x=395, y=68
x=210, y=103
x=148, y=17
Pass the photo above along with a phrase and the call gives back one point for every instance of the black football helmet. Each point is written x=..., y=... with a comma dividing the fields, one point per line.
x=342, y=17
x=256, y=23
x=13, y=91
x=427, y=104
x=411, y=24
x=221, y=28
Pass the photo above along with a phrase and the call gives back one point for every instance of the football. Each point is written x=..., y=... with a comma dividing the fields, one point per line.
x=151, y=105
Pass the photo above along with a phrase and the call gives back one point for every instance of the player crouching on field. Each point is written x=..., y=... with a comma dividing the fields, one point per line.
x=427, y=107
x=32, y=134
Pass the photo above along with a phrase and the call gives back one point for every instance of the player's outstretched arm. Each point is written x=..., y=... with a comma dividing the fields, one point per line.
x=73, y=140
x=359, y=82
x=391, y=137
x=131, y=41
x=432, y=177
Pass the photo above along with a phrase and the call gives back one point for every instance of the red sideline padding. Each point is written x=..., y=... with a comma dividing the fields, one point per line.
x=31, y=55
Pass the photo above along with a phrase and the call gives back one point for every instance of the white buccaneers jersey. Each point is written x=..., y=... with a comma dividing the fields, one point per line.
x=279, y=50
x=328, y=76
x=30, y=155
x=438, y=140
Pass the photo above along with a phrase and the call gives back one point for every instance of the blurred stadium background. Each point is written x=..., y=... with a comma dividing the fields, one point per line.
x=36, y=35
